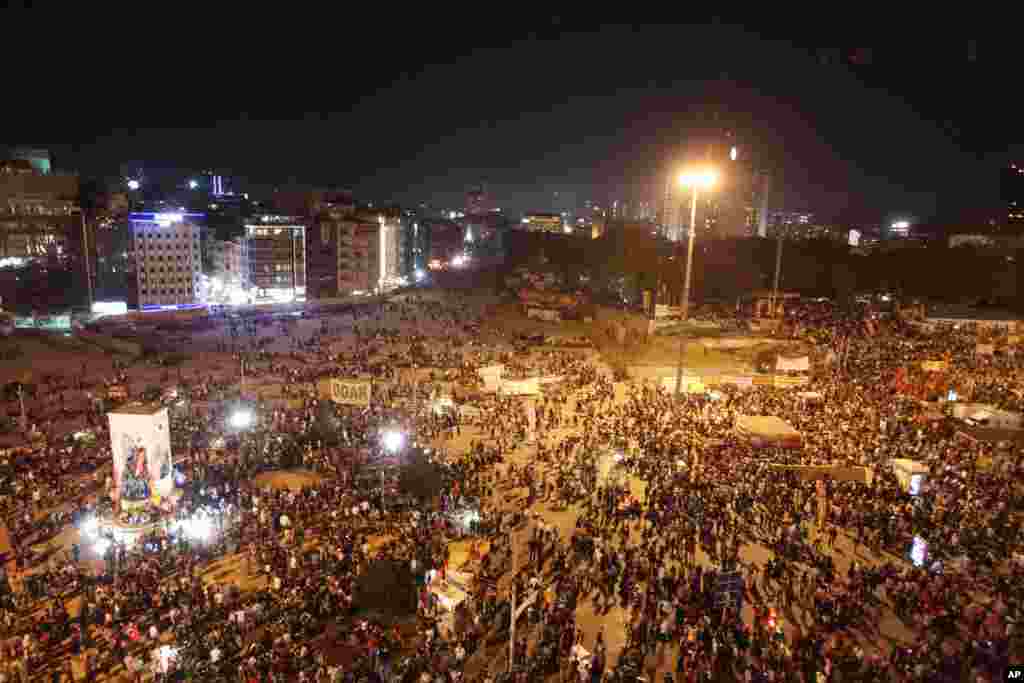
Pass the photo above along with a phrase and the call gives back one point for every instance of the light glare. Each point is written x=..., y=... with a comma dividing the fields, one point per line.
x=701, y=178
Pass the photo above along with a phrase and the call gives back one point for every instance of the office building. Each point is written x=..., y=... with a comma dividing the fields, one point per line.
x=40, y=213
x=356, y=251
x=166, y=258
x=273, y=250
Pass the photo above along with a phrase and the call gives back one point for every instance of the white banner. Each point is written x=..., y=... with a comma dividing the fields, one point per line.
x=522, y=387
x=691, y=384
x=662, y=311
x=801, y=364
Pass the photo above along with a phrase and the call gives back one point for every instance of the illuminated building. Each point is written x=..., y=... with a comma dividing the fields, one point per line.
x=542, y=222
x=39, y=213
x=1011, y=192
x=353, y=250
x=274, y=254
x=166, y=258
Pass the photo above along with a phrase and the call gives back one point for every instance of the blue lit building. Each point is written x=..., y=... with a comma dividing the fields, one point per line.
x=167, y=259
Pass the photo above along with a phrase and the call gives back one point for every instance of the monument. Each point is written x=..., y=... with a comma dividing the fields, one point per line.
x=142, y=488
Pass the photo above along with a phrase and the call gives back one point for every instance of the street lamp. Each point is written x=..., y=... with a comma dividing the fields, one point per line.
x=193, y=184
x=241, y=419
x=695, y=179
x=134, y=184
x=393, y=440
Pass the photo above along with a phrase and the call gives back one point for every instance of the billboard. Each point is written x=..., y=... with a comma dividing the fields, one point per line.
x=140, y=444
x=346, y=391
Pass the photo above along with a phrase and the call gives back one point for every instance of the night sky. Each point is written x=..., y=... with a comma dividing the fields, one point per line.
x=588, y=113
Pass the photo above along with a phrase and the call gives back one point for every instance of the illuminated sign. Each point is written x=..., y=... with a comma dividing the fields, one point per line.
x=110, y=307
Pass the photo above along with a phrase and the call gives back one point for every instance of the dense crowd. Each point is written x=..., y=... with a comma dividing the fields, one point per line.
x=668, y=504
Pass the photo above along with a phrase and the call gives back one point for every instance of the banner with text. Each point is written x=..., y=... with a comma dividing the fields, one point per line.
x=347, y=392
x=522, y=387
x=801, y=364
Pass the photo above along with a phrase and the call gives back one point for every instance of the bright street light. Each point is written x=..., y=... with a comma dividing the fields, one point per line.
x=703, y=178
x=134, y=184
x=420, y=274
x=241, y=419
x=393, y=440
x=192, y=184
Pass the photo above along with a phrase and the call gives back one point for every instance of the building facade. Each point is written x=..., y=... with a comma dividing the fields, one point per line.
x=273, y=250
x=166, y=258
x=1011, y=192
x=542, y=222
x=39, y=212
x=355, y=251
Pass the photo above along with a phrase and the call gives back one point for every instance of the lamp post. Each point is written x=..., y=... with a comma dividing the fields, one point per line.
x=697, y=179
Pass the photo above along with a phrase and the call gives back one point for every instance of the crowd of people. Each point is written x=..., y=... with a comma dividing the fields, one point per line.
x=722, y=564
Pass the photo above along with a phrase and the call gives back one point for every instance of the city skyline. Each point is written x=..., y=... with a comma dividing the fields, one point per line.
x=598, y=124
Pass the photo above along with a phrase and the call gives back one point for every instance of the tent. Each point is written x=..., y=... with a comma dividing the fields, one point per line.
x=768, y=430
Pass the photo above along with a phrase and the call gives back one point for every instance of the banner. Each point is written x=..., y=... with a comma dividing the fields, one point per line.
x=985, y=349
x=691, y=384
x=491, y=376
x=739, y=380
x=784, y=382
x=801, y=364
x=934, y=365
x=346, y=392
x=523, y=387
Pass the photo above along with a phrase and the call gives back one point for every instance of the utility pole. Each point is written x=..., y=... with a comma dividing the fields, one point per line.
x=778, y=273
x=21, y=401
x=691, y=238
x=85, y=259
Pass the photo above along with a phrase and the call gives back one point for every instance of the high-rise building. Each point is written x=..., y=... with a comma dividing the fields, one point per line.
x=355, y=251
x=166, y=258
x=1011, y=192
x=274, y=252
x=736, y=206
x=40, y=214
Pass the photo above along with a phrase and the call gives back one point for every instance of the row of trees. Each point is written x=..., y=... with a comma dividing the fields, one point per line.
x=725, y=269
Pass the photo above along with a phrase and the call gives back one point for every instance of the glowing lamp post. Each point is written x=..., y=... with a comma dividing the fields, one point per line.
x=241, y=419
x=696, y=179
x=393, y=441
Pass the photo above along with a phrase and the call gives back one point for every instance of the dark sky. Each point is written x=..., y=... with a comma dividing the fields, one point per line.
x=588, y=112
